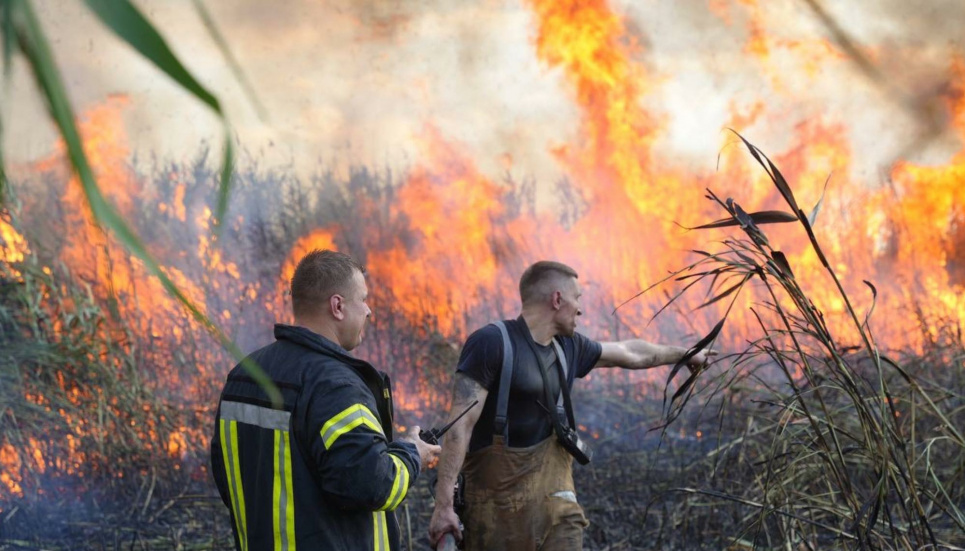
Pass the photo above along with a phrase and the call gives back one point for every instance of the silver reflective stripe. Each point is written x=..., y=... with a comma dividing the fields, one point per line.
x=380, y=535
x=258, y=416
x=568, y=495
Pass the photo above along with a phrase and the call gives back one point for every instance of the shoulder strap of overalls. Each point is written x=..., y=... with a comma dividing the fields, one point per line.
x=505, y=381
x=564, y=399
x=562, y=357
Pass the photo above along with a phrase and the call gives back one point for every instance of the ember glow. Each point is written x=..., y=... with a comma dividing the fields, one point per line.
x=445, y=250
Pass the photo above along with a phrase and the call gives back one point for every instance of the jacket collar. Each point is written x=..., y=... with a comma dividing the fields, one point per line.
x=311, y=340
x=377, y=381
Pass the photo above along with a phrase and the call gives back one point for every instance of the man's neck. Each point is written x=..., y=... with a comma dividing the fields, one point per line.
x=540, y=325
x=320, y=328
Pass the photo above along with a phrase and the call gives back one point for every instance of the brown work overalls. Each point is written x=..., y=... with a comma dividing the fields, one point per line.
x=521, y=499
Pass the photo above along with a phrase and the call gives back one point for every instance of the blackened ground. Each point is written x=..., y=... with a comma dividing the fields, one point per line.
x=622, y=492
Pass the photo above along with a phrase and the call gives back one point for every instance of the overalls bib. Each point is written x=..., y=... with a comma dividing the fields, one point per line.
x=521, y=499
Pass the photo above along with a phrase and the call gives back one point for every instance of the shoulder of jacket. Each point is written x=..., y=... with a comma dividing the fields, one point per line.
x=324, y=368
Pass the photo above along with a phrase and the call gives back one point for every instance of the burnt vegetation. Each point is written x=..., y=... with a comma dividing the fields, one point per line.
x=804, y=440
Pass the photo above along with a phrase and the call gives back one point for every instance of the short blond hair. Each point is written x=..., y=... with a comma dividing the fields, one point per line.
x=319, y=275
x=532, y=285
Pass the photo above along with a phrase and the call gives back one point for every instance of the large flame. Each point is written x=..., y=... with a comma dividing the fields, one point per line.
x=445, y=262
x=139, y=309
x=920, y=223
x=448, y=252
x=454, y=250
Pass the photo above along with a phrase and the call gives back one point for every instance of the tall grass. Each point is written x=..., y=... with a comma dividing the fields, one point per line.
x=846, y=446
x=22, y=32
x=807, y=453
x=111, y=417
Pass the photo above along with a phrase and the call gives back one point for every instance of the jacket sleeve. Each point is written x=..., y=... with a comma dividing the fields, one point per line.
x=217, y=461
x=358, y=468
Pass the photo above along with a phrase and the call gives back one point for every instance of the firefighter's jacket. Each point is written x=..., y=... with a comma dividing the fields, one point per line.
x=321, y=472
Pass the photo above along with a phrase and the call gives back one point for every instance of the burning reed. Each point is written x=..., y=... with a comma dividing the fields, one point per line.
x=108, y=386
x=86, y=431
x=844, y=445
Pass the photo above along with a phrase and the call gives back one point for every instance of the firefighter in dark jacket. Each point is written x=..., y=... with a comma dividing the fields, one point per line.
x=321, y=471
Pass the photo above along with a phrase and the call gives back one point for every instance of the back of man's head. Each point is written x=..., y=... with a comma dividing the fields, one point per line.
x=319, y=275
x=540, y=280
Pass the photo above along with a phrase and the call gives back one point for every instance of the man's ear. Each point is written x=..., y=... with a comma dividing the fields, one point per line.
x=557, y=299
x=335, y=305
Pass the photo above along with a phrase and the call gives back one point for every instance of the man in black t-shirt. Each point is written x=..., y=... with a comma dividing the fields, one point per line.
x=518, y=483
x=482, y=360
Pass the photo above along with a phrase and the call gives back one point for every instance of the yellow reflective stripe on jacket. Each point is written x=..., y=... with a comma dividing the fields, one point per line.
x=347, y=420
x=380, y=532
x=283, y=509
x=229, y=450
x=400, y=486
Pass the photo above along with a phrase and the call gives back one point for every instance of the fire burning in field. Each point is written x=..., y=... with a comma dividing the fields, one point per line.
x=445, y=247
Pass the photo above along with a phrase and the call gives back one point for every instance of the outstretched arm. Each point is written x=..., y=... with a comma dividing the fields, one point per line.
x=640, y=354
x=454, y=448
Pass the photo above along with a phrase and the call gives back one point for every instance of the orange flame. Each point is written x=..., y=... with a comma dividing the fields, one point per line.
x=448, y=253
x=446, y=261
x=13, y=248
x=94, y=256
x=10, y=472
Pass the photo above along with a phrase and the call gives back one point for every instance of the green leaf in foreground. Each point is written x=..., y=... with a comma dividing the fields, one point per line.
x=126, y=21
x=33, y=44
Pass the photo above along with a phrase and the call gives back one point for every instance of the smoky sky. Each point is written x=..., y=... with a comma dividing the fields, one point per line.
x=348, y=81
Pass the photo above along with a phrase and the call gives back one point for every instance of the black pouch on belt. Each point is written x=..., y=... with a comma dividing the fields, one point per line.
x=570, y=439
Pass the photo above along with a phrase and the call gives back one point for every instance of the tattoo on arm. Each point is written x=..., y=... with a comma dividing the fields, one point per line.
x=465, y=389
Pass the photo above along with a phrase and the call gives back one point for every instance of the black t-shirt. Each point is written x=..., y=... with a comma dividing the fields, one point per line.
x=528, y=423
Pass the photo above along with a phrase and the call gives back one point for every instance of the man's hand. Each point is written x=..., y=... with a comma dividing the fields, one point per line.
x=700, y=360
x=428, y=453
x=444, y=520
